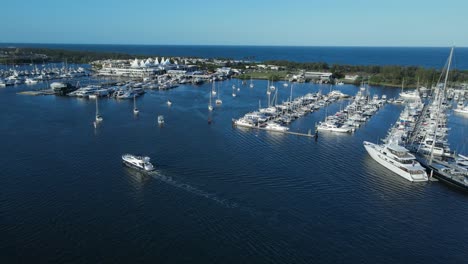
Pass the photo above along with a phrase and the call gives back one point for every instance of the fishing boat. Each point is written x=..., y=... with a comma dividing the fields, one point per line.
x=137, y=162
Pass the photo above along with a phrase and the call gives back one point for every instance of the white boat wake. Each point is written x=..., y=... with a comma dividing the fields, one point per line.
x=194, y=190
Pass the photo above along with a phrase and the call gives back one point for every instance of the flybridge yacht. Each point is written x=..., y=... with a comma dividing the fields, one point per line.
x=397, y=159
x=138, y=162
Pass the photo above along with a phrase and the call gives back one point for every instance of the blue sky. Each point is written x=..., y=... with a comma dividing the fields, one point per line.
x=240, y=22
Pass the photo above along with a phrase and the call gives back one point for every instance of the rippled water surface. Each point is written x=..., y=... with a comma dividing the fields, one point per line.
x=219, y=194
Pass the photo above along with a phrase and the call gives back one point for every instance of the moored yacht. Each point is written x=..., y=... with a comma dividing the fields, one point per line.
x=138, y=162
x=461, y=110
x=410, y=95
x=276, y=127
x=397, y=159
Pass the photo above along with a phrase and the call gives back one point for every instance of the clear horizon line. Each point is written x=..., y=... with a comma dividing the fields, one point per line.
x=227, y=45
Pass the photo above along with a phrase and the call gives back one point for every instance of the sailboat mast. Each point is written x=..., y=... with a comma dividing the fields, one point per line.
x=97, y=108
x=440, y=96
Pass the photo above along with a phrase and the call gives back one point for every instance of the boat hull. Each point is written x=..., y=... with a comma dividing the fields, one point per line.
x=131, y=165
x=441, y=175
x=374, y=153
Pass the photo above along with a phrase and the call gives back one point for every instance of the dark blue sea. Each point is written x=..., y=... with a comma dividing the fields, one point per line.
x=430, y=57
x=219, y=194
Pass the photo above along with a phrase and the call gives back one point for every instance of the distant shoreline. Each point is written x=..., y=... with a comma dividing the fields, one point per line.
x=385, y=75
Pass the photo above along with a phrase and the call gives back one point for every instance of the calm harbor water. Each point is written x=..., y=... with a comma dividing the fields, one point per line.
x=219, y=194
x=431, y=57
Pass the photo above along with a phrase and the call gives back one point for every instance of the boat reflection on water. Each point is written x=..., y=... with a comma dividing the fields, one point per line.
x=138, y=178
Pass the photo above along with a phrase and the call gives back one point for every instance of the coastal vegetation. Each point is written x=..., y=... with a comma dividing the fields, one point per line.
x=42, y=55
x=388, y=75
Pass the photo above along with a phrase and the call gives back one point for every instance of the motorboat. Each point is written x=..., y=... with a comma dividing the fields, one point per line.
x=276, y=127
x=333, y=127
x=160, y=119
x=410, y=95
x=138, y=162
x=397, y=159
x=243, y=122
x=461, y=110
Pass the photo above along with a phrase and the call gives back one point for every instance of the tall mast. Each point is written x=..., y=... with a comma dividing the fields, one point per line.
x=440, y=96
x=97, y=108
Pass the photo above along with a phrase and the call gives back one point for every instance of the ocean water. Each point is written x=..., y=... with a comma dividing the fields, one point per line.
x=220, y=194
x=430, y=57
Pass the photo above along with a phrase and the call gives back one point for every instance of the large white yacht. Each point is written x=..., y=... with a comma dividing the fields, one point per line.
x=397, y=159
x=138, y=162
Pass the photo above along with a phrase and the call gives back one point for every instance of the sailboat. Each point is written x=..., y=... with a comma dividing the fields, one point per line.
x=251, y=83
x=135, y=109
x=98, y=116
x=210, y=106
x=213, y=87
x=218, y=101
x=233, y=91
x=448, y=171
x=408, y=95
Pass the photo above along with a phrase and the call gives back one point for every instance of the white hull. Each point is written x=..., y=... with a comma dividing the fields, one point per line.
x=380, y=158
x=461, y=110
x=142, y=163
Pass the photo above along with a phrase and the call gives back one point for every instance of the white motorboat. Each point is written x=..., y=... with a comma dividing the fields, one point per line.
x=169, y=103
x=138, y=162
x=461, y=110
x=410, y=95
x=160, y=119
x=243, y=122
x=397, y=159
x=276, y=127
x=333, y=127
